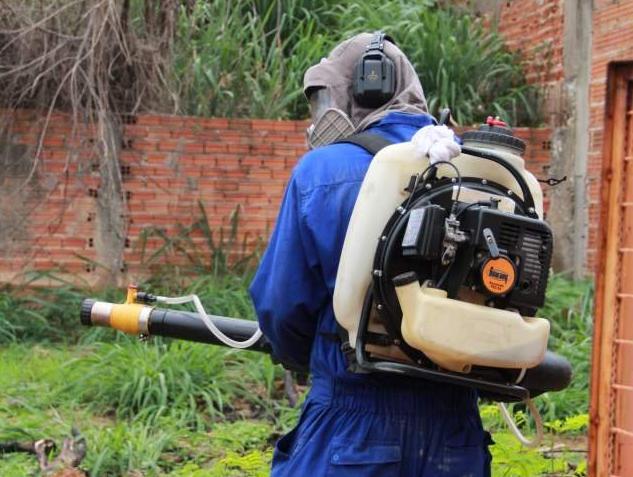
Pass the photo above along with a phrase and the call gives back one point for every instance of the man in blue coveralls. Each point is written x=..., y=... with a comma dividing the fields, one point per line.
x=352, y=424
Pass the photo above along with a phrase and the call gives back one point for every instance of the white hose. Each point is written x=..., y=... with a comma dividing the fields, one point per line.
x=515, y=430
x=209, y=323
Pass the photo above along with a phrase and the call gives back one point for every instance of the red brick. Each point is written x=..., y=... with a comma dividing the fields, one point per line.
x=194, y=147
x=240, y=124
x=213, y=147
x=145, y=145
x=215, y=123
x=148, y=120
x=170, y=145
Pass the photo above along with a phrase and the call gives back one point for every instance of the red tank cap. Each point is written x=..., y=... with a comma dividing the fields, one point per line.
x=490, y=121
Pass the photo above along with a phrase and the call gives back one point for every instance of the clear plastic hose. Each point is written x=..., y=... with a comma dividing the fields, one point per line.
x=209, y=322
x=538, y=422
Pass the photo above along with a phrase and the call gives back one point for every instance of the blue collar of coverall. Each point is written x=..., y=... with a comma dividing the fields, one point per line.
x=398, y=117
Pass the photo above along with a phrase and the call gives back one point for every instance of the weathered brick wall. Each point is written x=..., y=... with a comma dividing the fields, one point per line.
x=612, y=40
x=534, y=28
x=170, y=165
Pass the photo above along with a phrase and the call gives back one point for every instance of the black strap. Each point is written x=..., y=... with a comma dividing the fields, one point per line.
x=371, y=142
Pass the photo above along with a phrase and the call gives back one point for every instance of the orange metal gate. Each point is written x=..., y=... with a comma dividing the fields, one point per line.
x=611, y=432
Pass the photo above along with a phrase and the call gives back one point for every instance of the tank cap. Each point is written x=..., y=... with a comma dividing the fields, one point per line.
x=494, y=132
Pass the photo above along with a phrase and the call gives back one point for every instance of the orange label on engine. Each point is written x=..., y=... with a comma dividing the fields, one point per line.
x=498, y=275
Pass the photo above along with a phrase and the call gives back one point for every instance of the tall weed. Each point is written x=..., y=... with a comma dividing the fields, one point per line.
x=569, y=307
x=45, y=314
x=247, y=57
x=196, y=250
x=190, y=382
x=9, y=306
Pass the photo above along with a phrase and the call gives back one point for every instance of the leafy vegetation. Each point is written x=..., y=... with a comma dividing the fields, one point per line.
x=241, y=58
x=44, y=393
x=237, y=58
x=198, y=250
x=190, y=410
x=569, y=306
x=247, y=57
x=562, y=452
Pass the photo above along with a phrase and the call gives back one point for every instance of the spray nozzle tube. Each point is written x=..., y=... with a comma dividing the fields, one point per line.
x=208, y=321
x=137, y=318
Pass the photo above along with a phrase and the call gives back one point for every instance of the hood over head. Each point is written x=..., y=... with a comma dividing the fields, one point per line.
x=336, y=73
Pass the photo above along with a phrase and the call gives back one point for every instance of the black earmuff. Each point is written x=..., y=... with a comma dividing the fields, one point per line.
x=374, y=77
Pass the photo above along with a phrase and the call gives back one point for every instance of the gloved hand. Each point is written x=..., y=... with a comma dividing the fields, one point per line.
x=436, y=142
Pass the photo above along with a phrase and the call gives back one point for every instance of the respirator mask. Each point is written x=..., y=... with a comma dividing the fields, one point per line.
x=329, y=124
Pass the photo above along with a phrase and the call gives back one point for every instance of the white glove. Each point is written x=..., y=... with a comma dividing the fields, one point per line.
x=437, y=143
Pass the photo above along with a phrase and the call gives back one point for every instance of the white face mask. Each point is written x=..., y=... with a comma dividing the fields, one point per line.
x=331, y=126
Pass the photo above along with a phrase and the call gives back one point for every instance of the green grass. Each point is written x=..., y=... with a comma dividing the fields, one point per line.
x=136, y=413
x=569, y=306
x=184, y=409
x=42, y=396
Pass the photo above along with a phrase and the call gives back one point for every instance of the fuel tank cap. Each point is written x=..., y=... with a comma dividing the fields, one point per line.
x=494, y=132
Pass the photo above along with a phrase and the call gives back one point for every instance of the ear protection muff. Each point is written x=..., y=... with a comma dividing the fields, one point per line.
x=374, y=77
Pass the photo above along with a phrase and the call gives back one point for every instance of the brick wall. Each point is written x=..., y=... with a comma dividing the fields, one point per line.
x=534, y=28
x=170, y=165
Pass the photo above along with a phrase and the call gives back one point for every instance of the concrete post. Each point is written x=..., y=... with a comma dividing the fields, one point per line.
x=111, y=203
x=568, y=212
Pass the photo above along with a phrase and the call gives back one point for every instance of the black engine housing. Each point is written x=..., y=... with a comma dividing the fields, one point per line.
x=525, y=241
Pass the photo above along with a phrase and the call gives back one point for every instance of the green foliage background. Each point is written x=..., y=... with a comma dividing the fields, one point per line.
x=247, y=57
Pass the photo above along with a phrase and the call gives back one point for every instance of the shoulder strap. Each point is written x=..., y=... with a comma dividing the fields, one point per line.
x=371, y=142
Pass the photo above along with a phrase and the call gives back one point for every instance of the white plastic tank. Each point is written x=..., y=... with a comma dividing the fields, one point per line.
x=458, y=335
x=382, y=191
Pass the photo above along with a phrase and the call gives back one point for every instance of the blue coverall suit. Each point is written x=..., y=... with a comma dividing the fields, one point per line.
x=351, y=424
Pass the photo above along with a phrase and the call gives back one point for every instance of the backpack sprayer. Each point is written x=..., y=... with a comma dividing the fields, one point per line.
x=447, y=291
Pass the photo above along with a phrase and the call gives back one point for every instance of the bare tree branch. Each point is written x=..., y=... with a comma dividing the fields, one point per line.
x=90, y=58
